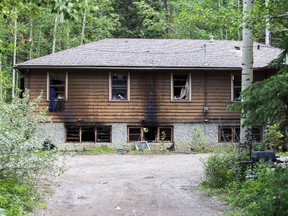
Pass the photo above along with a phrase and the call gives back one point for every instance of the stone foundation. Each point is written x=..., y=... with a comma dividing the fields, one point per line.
x=187, y=137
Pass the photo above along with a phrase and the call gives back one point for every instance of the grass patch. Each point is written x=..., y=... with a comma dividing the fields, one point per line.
x=17, y=198
x=98, y=150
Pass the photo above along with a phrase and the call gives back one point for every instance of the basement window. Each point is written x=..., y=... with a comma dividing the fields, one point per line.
x=150, y=134
x=119, y=89
x=87, y=133
x=236, y=87
x=232, y=134
x=181, y=87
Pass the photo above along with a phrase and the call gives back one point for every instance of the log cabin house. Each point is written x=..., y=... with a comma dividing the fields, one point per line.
x=118, y=91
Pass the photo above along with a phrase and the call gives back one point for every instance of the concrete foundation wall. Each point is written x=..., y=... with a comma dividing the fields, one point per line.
x=187, y=137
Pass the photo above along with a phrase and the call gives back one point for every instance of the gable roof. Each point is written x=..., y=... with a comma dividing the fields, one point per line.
x=155, y=53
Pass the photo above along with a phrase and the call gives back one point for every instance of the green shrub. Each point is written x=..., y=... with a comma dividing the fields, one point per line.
x=222, y=168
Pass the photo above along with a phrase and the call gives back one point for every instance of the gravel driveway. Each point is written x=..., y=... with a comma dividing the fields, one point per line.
x=150, y=185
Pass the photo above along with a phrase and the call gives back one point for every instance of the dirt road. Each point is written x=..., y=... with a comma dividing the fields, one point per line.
x=150, y=185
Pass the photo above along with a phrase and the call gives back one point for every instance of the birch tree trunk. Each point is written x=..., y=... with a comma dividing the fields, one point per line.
x=84, y=23
x=31, y=39
x=247, y=67
x=267, y=31
x=14, y=58
x=54, y=33
x=1, y=87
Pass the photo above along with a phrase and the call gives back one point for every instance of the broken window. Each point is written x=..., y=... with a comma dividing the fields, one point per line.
x=86, y=133
x=72, y=133
x=165, y=134
x=229, y=134
x=236, y=86
x=232, y=134
x=103, y=134
x=56, y=90
x=119, y=83
x=181, y=86
x=150, y=134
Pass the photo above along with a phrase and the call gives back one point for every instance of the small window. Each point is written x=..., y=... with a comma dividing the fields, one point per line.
x=86, y=133
x=119, y=86
x=257, y=134
x=236, y=87
x=150, y=134
x=57, y=90
x=180, y=87
x=73, y=133
x=104, y=134
x=134, y=134
x=229, y=134
x=165, y=134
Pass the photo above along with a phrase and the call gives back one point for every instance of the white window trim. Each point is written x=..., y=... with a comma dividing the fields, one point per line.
x=48, y=86
x=110, y=88
x=172, y=89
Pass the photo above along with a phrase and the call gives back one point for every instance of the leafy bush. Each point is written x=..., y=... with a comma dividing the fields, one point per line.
x=21, y=150
x=267, y=195
x=222, y=168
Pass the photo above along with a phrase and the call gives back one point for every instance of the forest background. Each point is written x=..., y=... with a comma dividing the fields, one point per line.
x=34, y=28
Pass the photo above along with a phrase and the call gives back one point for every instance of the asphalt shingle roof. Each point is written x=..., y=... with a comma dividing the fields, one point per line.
x=155, y=53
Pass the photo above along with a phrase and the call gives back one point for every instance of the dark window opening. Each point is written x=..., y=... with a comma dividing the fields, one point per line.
x=73, y=133
x=180, y=87
x=236, y=86
x=88, y=134
x=232, y=134
x=150, y=134
x=104, y=134
x=119, y=86
x=165, y=134
x=57, y=91
x=134, y=134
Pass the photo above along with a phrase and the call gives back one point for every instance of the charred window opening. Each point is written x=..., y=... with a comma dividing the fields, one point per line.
x=236, y=87
x=119, y=86
x=181, y=87
x=73, y=133
x=87, y=133
x=165, y=134
x=150, y=134
x=232, y=134
x=56, y=91
x=104, y=134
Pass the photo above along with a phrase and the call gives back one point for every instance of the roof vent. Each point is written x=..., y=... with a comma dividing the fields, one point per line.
x=237, y=47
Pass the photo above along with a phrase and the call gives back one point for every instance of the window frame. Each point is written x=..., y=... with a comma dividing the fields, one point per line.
x=111, y=87
x=65, y=88
x=233, y=87
x=80, y=133
x=189, y=84
x=142, y=132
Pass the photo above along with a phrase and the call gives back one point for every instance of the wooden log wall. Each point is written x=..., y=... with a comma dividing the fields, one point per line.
x=150, y=97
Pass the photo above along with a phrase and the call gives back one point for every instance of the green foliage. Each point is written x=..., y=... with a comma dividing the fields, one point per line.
x=17, y=199
x=20, y=150
x=104, y=149
x=267, y=195
x=222, y=168
x=274, y=136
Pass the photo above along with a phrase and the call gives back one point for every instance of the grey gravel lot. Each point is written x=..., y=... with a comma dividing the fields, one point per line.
x=152, y=185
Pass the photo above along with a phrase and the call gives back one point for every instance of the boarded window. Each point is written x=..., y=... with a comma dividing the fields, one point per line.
x=87, y=133
x=119, y=86
x=180, y=87
x=236, y=86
